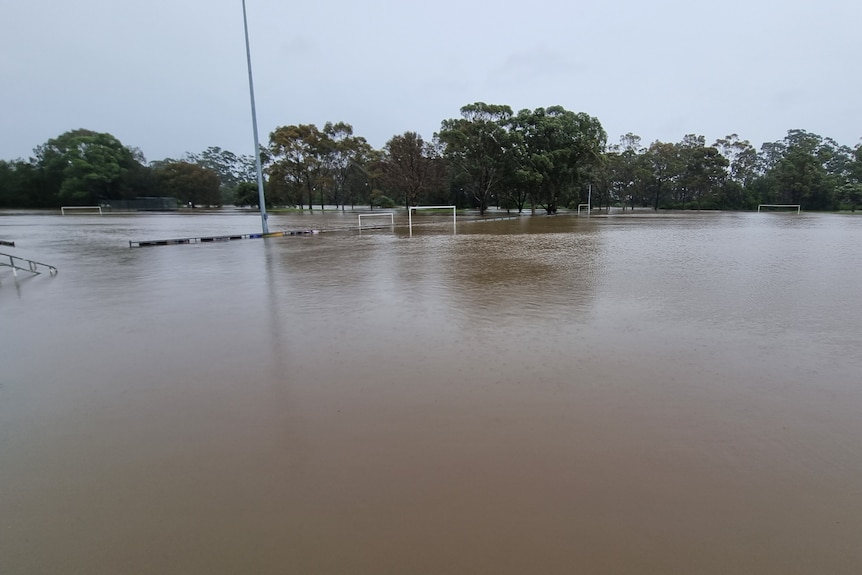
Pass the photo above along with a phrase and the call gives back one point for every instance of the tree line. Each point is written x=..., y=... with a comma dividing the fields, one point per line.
x=546, y=159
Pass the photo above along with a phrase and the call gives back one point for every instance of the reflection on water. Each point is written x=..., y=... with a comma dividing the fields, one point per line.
x=639, y=394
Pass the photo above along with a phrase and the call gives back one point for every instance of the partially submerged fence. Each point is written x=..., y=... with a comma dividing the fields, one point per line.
x=23, y=264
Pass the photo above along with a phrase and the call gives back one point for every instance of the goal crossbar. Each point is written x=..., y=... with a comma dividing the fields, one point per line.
x=64, y=208
x=390, y=215
x=410, y=215
x=789, y=206
x=587, y=206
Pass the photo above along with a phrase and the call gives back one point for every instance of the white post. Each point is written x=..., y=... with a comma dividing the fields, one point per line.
x=454, y=215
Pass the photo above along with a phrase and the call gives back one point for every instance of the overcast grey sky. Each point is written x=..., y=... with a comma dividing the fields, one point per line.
x=170, y=76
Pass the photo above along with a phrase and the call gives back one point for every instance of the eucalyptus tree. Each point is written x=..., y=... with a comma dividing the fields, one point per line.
x=664, y=164
x=742, y=171
x=342, y=153
x=741, y=157
x=518, y=179
x=625, y=170
x=412, y=167
x=18, y=181
x=851, y=192
x=795, y=171
x=474, y=146
x=560, y=148
x=296, y=167
x=231, y=169
x=189, y=183
x=364, y=175
x=703, y=172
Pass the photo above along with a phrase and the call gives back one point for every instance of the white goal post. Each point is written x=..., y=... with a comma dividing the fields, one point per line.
x=390, y=215
x=797, y=207
x=586, y=206
x=64, y=208
x=410, y=215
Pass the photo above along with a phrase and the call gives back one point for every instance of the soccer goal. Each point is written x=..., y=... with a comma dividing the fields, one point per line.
x=780, y=207
x=410, y=215
x=586, y=208
x=74, y=209
x=390, y=215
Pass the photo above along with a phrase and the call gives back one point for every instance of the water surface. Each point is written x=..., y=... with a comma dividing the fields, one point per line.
x=639, y=394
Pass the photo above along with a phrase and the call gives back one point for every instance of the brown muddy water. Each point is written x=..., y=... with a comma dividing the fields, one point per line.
x=668, y=394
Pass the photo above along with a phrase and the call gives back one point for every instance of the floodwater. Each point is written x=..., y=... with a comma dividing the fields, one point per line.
x=651, y=394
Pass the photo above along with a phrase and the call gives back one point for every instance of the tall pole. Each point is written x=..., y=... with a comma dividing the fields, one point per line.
x=261, y=200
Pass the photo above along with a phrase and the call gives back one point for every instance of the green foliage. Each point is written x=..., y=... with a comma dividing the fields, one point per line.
x=704, y=171
x=16, y=179
x=796, y=171
x=232, y=170
x=413, y=168
x=189, y=183
x=547, y=157
x=558, y=150
x=84, y=167
x=474, y=146
x=308, y=163
x=331, y=165
x=79, y=167
x=346, y=156
x=247, y=194
x=544, y=156
x=378, y=199
x=296, y=166
x=623, y=175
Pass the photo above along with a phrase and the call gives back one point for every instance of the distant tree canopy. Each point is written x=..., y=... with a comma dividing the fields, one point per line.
x=546, y=158
x=80, y=167
x=190, y=183
x=307, y=165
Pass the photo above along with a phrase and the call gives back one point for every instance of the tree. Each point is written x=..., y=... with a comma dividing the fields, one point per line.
x=517, y=181
x=231, y=169
x=412, y=167
x=190, y=183
x=247, y=194
x=664, y=163
x=474, y=147
x=795, y=171
x=743, y=170
x=297, y=166
x=18, y=181
x=560, y=150
x=364, y=173
x=84, y=167
x=851, y=192
x=703, y=174
x=625, y=170
x=343, y=153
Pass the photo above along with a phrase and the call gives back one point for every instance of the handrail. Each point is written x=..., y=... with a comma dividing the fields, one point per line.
x=31, y=266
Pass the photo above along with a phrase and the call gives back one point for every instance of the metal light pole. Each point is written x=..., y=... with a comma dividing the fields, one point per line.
x=261, y=199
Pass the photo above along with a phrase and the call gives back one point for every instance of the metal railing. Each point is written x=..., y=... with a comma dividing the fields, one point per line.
x=23, y=264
